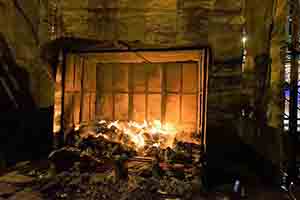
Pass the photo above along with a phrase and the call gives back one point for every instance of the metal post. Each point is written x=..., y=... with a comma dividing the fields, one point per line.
x=61, y=135
x=294, y=88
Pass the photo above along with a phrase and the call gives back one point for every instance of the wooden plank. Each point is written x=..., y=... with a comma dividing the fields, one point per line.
x=154, y=107
x=189, y=108
x=139, y=107
x=190, y=83
x=121, y=107
x=152, y=56
x=173, y=74
x=172, y=108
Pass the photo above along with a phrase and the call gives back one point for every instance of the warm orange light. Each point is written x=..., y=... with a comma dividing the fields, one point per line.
x=140, y=135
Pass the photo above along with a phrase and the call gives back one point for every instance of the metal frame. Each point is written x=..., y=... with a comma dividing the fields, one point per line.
x=202, y=76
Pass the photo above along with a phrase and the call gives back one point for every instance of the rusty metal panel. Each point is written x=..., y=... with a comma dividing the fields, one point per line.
x=92, y=106
x=155, y=57
x=154, y=107
x=139, y=107
x=154, y=74
x=173, y=76
x=139, y=78
x=85, y=112
x=189, y=76
x=78, y=62
x=121, y=107
x=76, y=113
x=68, y=109
x=104, y=78
x=120, y=77
x=189, y=108
x=91, y=69
x=187, y=127
x=89, y=79
x=70, y=67
x=104, y=107
x=172, y=108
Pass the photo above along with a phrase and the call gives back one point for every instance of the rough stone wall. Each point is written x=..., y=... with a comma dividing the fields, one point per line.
x=26, y=31
x=170, y=23
x=154, y=22
x=167, y=23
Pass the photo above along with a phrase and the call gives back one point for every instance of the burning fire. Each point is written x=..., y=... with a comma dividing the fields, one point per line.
x=140, y=136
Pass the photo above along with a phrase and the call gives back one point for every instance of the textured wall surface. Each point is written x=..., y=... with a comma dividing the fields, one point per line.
x=168, y=23
x=26, y=32
x=266, y=28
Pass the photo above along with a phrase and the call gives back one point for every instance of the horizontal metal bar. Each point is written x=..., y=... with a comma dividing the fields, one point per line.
x=160, y=93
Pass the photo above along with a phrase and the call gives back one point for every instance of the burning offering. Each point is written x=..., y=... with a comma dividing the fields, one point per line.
x=144, y=138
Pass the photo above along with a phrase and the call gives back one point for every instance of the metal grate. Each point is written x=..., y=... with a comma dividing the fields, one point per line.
x=172, y=87
x=162, y=91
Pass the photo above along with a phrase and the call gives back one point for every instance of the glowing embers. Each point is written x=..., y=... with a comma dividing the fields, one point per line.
x=140, y=136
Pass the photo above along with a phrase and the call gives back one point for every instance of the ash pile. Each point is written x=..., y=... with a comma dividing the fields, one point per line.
x=95, y=165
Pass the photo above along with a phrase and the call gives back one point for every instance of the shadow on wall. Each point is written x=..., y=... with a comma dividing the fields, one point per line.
x=25, y=133
x=230, y=158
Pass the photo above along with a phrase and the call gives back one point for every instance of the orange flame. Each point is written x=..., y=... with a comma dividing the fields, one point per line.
x=141, y=135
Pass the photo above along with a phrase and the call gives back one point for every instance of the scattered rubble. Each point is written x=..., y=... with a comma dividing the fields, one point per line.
x=90, y=167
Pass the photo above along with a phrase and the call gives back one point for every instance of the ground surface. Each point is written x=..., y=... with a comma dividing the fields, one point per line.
x=14, y=185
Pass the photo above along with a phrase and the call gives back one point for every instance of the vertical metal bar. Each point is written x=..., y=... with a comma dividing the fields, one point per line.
x=180, y=93
x=113, y=93
x=199, y=78
x=63, y=85
x=73, y=90
x=90, y=106
x=204, y=97
x=82, y=63
x=147, y=93
x=130, y=90
x=97, y=91
x=163, y=93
